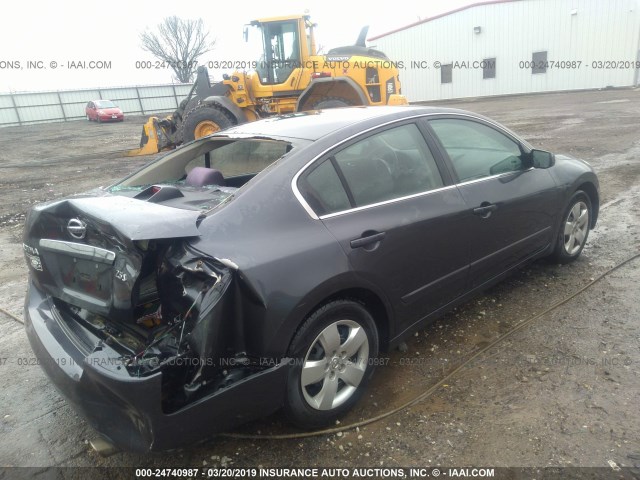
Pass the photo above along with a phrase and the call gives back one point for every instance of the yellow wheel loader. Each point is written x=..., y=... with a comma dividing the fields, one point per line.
x=289, y=76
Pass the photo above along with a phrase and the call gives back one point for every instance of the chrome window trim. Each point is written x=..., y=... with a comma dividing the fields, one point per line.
x=386, y=202
x=414, y=195
x=503, y=129
x=313, y=215
x=490, y=177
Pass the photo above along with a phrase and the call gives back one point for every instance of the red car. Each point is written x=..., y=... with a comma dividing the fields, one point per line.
x=103, y=111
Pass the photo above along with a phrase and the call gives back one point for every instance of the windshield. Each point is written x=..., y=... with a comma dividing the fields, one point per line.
x=105, y=104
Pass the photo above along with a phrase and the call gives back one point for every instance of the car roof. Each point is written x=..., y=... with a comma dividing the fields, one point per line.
x=315, y=124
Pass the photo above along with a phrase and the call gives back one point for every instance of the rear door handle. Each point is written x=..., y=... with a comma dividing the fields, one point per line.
x=485, y=209
x=368, y=240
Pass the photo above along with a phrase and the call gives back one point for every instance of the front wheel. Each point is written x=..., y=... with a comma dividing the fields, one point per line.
x=333, y=353
x=204, y=120
x=574, y=229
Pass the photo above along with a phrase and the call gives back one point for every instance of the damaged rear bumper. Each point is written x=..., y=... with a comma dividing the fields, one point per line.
x=127, y=410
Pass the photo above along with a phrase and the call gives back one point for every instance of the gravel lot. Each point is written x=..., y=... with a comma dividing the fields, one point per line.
x=562, y=391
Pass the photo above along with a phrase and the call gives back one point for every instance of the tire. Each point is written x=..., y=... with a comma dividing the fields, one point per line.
x=98, y=119
x=331, y=102
x=311, y=402
x=196, y=121
x=88, y=118
x=179, y=115
x=574, y=229
x=188, y=106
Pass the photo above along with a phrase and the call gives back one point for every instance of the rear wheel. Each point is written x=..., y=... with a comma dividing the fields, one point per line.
x=204, y=120
x=333, y=352
x=331, y=102
x=574, y=229
x=88, y=118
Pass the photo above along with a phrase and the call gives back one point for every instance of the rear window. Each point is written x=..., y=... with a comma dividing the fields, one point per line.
x=232, y=157
x=241, y=157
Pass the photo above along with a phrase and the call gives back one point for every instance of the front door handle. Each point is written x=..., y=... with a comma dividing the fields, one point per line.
x=368, y=240
x=485, y=209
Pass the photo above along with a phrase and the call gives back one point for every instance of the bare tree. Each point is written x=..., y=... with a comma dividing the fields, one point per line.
x=178, y=43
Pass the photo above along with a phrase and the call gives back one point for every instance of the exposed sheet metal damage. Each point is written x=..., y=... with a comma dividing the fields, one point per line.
x=162, y=305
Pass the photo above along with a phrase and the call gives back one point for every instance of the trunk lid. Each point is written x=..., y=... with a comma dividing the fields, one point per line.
x=91, y=251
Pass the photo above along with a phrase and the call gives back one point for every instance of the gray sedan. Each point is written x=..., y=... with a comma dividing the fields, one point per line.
x=276, y=259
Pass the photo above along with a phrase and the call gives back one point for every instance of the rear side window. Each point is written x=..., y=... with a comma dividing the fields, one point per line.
x=323, y=190
x=391, y=164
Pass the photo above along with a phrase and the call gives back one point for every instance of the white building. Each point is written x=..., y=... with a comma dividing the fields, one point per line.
x=518, y=46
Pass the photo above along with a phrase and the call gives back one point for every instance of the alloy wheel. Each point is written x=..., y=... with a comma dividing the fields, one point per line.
x=335, y=365
x=576, y=227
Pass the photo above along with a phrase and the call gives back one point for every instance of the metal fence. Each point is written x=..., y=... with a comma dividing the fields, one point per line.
x=23, y=108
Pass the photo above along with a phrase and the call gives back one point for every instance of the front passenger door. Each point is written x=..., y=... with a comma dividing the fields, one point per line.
x=512, y=204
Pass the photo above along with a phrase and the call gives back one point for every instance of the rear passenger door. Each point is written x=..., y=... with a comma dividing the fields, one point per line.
x=512, y=203
x=385, y=199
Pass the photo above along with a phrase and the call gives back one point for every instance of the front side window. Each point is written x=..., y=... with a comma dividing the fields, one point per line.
x=476, y=150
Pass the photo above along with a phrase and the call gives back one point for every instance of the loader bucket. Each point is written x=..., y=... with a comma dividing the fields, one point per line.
x=153, y=139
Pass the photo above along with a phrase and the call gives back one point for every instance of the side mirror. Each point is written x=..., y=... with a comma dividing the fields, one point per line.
x=541, y=159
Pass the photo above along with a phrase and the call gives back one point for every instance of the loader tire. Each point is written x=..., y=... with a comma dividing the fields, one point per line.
x=331, y=102
x=204, y=120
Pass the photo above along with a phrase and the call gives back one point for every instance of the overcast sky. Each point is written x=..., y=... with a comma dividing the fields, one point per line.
x=79, y=30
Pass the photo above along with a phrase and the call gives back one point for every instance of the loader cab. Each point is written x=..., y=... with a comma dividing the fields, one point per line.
x=286, y=44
